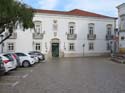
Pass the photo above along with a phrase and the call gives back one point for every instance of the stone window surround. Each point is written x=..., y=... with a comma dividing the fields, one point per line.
x=109, y=29
x=71, y=27
x=38, y=26
x=71, y=46
x=91, y=46
x=11, y=46
x=37, y=45
x=91, y=28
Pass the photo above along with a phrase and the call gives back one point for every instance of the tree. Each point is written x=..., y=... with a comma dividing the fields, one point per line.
x=12, y=13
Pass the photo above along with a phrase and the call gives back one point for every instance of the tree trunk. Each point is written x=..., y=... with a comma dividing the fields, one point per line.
x=10, y=34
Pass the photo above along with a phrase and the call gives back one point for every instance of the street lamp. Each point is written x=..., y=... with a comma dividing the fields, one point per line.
x=2, y=43
x=83, y=48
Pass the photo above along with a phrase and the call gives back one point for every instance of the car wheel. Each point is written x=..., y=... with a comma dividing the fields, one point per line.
x=39, y=59
x=26, y=64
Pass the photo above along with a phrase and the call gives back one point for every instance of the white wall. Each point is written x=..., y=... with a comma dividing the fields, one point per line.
x=24, y=41
x=121, y=11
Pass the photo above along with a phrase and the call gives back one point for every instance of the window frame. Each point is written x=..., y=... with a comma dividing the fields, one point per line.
x=38, y=26
x=91, y=46
x=91, y=28
x=10, y=46
x=122, y=22
x=71, y=46
x=109, y=29
x=37, y=46
x=72, y=27
x=122, y=38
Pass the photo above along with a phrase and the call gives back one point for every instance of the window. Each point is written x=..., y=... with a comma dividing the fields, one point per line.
x=108, y=46
x=37, y=47
x=109, y=29
x=91, y=46
x=9, y=56
x=71, y=27
x=91, y=28
x=122, y=22
x=122, y=38
x=71, y=47
x=38, y=27
x=71, y=30
x=10, y=47
x=21, y=54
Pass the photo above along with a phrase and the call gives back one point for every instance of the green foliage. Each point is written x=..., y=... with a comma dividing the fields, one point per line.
x=13, y=12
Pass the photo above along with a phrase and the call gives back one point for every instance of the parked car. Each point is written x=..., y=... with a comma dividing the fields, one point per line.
x=25, y=59
x=2, y=68
x=36, y=58
x=8, y=64
x=39, y=54
x=16, y=59
x=13, y=60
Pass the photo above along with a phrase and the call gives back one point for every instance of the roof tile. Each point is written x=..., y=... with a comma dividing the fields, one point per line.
x=75, y=12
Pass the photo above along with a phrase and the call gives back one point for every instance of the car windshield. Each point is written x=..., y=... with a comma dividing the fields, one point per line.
x=9, y=57
x=31, y=53
x=35, y=53
x=21, y=54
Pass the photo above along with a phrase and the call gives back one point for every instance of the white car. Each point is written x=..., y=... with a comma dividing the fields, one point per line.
x=40, y=55
x=36, y=58
x=25, y=59
x=8, y=64
x=11, y=57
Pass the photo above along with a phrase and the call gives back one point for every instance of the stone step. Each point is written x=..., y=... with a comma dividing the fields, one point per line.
x=118, y=60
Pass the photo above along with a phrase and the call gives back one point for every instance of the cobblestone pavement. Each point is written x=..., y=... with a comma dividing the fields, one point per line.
x=67, y=75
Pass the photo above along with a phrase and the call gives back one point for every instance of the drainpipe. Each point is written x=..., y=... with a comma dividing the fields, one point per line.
x=83, y=48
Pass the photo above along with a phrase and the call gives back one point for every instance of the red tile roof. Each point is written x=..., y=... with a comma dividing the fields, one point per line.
x=75, y=12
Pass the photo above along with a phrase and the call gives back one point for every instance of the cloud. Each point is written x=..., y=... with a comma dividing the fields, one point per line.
x=47, y=4
x=106, y=7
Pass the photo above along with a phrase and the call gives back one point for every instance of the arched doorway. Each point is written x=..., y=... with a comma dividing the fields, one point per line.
x=55, y=47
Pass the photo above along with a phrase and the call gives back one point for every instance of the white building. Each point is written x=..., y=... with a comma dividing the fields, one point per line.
x=74, y=33
x=121, y=13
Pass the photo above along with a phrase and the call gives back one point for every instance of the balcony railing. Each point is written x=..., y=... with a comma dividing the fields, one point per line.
x=109, y=37
x=37, y=35
x=71, y=36
x=13, y=36
x=91, y=36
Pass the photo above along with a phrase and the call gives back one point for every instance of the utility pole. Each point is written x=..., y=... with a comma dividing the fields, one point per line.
x=83, y=48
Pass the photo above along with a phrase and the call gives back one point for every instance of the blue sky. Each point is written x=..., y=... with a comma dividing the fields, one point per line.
x=105, y=7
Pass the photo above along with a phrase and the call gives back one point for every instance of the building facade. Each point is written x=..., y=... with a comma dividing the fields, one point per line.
x=74, y=33
x=121, y=14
